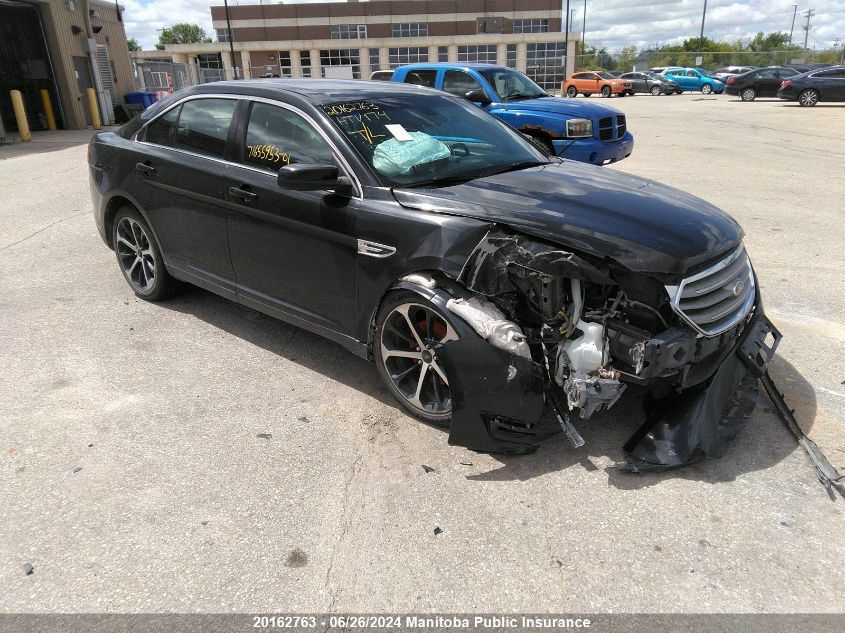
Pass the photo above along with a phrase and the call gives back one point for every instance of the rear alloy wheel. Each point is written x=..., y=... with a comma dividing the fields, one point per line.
x=706, y=89
x=571, y=92
x=139, y=258
x=809, y=97
x=748, y=94
x=655, y=90
x=409, y=330
x=606, y=91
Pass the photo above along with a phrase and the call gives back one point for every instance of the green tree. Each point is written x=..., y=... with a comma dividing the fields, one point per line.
x=627, y=59
x=182, y=33
x=771, y=42
x=133, y=44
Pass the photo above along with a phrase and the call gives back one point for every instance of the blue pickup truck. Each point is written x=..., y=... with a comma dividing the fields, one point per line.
x=587, y=132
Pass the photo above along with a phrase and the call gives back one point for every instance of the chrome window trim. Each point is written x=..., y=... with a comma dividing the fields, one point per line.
x=344, y=164
x=676, y=290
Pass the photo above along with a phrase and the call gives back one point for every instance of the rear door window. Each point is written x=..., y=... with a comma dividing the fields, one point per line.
x=421, y=78
x=162, y=131
x=458, y=82
x=204, y=126
x=276, y=137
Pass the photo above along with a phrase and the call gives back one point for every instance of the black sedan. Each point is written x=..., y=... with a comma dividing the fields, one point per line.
x=760, y=82
x=651, y=83
x=825, y=84
x=496, y=289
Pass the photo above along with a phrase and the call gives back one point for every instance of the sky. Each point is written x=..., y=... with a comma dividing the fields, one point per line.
x=610, y=23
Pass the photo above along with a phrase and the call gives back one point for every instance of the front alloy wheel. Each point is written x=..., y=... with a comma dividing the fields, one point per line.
x=808, y=97
x=748, y=94
x=408, y=338
x=706, y=89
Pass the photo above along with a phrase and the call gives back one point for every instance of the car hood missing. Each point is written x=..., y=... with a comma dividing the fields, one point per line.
x=643, y=225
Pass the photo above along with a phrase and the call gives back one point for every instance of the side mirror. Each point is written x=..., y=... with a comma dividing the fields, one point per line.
x=478, y=96
x=307, y=177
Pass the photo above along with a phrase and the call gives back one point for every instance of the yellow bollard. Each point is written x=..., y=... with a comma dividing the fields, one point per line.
x=20, y=115
x=95, y=110
x=48, y=109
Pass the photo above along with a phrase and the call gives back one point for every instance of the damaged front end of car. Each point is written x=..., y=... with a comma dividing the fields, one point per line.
x=562, y=336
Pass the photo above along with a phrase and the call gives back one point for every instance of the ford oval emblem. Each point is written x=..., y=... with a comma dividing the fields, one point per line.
x=738, y=288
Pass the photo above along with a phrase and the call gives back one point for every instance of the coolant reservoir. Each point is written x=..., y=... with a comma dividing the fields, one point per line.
x=586, y=353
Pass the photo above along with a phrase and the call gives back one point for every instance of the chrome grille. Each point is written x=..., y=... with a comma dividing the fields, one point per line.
x=717, y=298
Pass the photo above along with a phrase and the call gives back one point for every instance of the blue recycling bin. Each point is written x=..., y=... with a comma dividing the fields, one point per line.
x=145, y=99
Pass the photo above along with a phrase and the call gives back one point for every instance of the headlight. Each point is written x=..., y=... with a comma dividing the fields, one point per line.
x=579, y=128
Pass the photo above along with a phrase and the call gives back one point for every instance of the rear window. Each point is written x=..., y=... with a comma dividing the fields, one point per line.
x=204, y=125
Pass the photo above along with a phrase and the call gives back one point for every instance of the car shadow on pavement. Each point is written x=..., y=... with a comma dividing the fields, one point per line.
x=288, y=341
x=763, y=443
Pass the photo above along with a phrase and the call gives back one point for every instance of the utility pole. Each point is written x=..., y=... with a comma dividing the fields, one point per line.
x=809, y=13
x=701, y=36
x=231, y=37
x=584, y=29
x=566, y=42
x=791, y=30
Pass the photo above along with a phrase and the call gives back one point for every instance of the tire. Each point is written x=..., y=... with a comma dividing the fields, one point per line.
x=680, y=92
x=706, y=89
x=808, y=98
x=748, y=94
x=406, y=328
x=139, y=257
x=606, y=91
x=572, y=92
x=588, y=94
x=655, y=90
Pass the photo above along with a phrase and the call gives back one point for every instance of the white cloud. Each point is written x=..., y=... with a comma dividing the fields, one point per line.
x=610, y=23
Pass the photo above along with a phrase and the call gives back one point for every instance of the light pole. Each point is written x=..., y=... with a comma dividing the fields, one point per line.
x=584, y=29
x=701, y=36
x=566, y=42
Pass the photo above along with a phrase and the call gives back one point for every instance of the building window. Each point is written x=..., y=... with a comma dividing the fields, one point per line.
x=443, y=53
x=158, y=80
x=512, y=55
x=305, y=63
x=531, y=26
x=490, y=25
x=349, y=31
x=544, y=64
x=284, y=63
x=409, y=29
x=375, y=63
x=342, y=57
x=224, y=35
x=485, y=54
x=408, y=55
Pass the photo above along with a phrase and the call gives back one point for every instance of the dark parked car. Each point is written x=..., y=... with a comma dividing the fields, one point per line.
x=762, y=82
x=496, y=289
x=826, y=84
x=651, y=83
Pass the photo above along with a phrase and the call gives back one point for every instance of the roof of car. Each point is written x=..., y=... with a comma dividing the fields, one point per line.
x=315, y=90
x=472, y=65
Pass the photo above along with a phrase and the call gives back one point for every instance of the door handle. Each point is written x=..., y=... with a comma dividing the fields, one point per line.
x=244, y=194
x=145, y=168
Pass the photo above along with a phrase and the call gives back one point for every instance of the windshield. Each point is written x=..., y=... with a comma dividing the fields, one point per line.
x=606, y=75
x=655, y=76
x=512, y=84
x=421, y=139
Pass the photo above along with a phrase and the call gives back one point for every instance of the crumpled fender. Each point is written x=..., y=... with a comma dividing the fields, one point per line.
x=498, y=397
